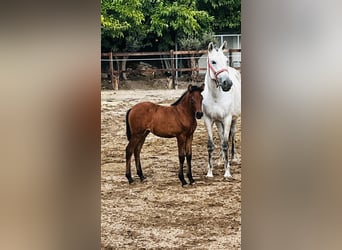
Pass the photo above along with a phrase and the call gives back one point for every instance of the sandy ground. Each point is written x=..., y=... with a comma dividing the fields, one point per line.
x=159, y=213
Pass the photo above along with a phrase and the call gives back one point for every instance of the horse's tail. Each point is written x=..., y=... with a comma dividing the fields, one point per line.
x=128, y=129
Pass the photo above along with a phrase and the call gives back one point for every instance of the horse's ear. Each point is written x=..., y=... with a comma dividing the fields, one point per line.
x=189, y=87
x=210, y=46
x=202, y=87
x=224, y=45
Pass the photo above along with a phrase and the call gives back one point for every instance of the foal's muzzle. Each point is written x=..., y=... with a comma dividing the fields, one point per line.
x=199, y=115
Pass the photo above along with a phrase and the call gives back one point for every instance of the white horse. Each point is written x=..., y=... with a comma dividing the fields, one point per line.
x=221, y=103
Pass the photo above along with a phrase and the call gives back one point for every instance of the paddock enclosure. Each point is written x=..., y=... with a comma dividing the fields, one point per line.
x=159, y=213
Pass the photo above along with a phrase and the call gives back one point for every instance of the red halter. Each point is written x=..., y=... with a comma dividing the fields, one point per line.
x=216, y=73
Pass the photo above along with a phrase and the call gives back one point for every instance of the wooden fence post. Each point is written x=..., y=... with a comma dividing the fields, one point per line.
x=172, y=56
x=114, y=79
x=230, y=57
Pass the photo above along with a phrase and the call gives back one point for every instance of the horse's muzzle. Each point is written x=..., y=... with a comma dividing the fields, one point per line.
x=199, y=115
x=226, y=85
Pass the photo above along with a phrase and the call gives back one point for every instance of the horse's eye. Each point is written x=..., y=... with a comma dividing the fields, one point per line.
x=213, y=62
x=192, y=101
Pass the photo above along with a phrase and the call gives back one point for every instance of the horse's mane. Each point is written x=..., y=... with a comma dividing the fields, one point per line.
x=193, y=88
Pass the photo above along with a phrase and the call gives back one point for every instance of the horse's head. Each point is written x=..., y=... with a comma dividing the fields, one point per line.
x=218, y=66
x=196, y=99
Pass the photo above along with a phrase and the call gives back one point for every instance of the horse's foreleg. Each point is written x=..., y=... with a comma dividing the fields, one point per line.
x=188, y=150
x=225, y=147
x=220, y=129
x=181, y=154
x=137, y=156
x=208, y=125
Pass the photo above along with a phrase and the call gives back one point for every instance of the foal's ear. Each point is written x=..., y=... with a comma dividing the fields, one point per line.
x=202, y=87
x=210, y=46
x=189, y=87
x=224, y=45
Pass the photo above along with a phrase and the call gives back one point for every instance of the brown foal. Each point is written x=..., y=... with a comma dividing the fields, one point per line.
x=177, y=120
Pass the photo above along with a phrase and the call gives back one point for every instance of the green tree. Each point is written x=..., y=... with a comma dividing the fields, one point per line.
x=121, y=23
x=226, y=13
x=197, y=43
x=118, y=16
x=138, y=25
x=135, y=24
x=172, y=20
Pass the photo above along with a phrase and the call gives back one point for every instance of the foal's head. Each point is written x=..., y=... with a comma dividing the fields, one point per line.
x=196, y=98
x=218, y=66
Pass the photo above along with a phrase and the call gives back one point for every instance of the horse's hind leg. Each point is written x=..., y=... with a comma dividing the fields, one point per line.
x=129, y=151
x=232, y=137
x=137, y=156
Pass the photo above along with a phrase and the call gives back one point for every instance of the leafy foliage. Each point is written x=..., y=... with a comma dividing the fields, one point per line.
x=133, y=25
x=194, y=43
x=227, y=13
x=175, y=19
x=177, y=16
x=118, y=16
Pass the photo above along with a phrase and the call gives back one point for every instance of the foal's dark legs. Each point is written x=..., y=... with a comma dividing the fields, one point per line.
x=137, y=156
x=181, y=155
x=189, y=173
x=180, y=172
x=188, y=158
x=129, y=151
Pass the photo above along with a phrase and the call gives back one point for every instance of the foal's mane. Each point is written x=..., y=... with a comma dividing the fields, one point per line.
x=193, y=88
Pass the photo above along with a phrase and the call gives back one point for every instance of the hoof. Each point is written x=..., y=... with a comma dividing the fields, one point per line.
x=227, y=173
x=142, y=178
x=210, y=175
x=184, y=184
x=229, y=177
x=191, y=181
x=129, y=178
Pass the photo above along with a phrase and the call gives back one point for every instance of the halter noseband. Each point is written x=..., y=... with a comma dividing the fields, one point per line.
x=216, y=73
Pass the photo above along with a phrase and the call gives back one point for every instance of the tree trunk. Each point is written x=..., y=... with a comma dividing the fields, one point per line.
x=193, y=65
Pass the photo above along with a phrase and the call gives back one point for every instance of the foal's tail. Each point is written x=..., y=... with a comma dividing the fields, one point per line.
x=128, y=129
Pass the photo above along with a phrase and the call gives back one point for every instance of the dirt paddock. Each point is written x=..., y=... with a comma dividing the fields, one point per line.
x=159, y=213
